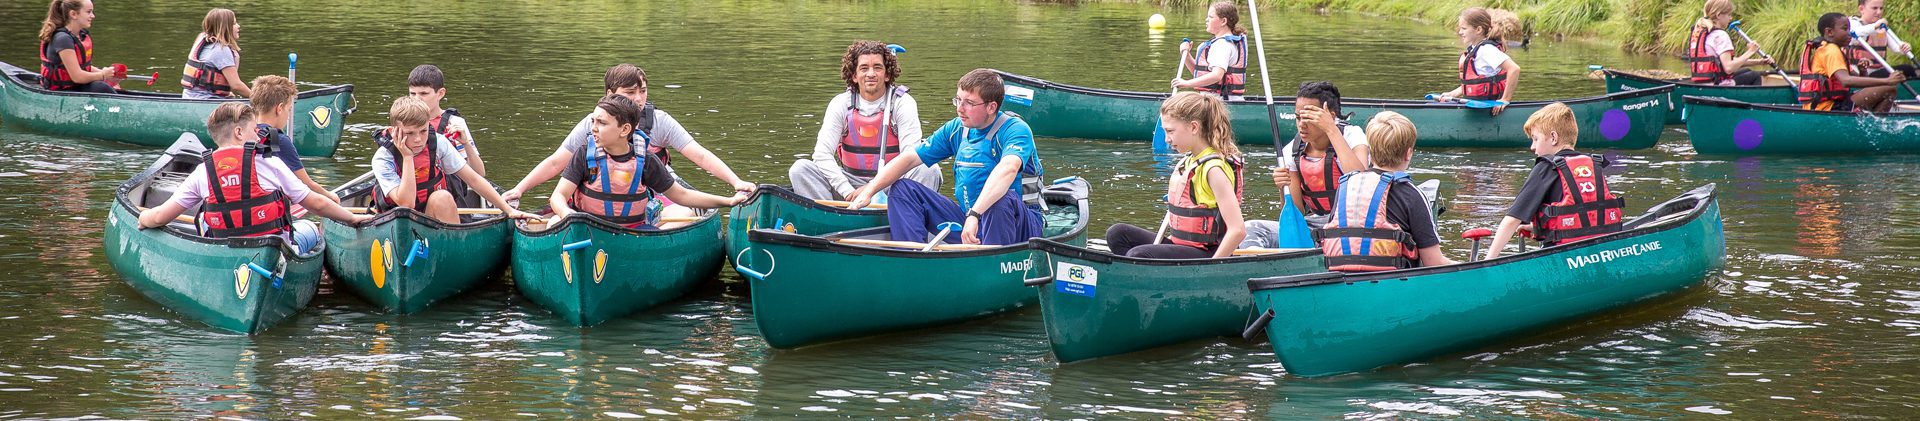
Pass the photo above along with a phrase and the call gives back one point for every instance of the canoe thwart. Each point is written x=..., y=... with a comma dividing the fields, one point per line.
x=912, y=245
x=843, y=203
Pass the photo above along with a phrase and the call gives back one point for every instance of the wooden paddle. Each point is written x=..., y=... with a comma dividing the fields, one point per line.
x=1256, y=251
x=912, y=245
x=843, y=203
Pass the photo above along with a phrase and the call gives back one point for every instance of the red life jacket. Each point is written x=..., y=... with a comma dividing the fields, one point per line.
x=1320, y=182
x=53, y=73
x=1474, y=85
x=202, y=75
x=1193, y=224
x=621, y=201
x=427, y=177
x=1586, y=208
x=439, y=126
x=1359, y=238
x=1235, y=81
x=237, y=205
x=861, y=144
x=1707, y=68
x=1816, y=88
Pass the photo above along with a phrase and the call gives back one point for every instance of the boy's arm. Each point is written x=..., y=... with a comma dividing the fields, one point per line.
x=1002, y=178
x=558, y=201
x=330, y=209
x=485, y=189
x=315, y=187
x=162, y=215
x=701, y=200
x=1431, y=256
x=706, y=160
x=1508, y=226
x=545, y=170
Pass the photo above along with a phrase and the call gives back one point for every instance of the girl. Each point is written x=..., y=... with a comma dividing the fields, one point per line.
x=66, y=51
x=614, y=178
x=1872, y=22
x=1486, y=73
x=1710, y=51
x=213, y=65
x=1220, y=67
x=1201, y=215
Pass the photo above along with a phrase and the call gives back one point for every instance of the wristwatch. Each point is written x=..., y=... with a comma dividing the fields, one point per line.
x=973, y=213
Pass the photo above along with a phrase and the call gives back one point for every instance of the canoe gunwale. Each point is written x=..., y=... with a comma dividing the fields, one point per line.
x=125, y=203
x=13, y=76
x=1344, y=102
x=381, y=219
x=1712, y=101
x=787, y=194
x=1701, y=198
x=1078, y=197
x=1616, y=74
x=1058, y=248
x=602, y=224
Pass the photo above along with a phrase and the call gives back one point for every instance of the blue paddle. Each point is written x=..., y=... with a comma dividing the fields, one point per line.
x=945, y=227
x=1293, y=232
x=1471, y=103
x=1160, y=133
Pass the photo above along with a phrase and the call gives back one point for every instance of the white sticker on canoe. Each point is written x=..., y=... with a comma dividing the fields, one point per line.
x=1020, y=95
x=1604, y=256
x=1075, y=279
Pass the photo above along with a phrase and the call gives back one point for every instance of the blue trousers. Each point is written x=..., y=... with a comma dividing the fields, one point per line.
x=915, y=212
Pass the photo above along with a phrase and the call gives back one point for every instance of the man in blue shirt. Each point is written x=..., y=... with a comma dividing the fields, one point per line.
x=992, y=152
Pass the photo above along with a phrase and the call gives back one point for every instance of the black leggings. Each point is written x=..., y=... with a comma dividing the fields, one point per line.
x=1131, y=241
x=1748, y=77
x=97, y=87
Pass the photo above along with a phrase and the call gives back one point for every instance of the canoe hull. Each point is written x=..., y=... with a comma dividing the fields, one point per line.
x=778, y=207
x=154, y=119
x=809, y=289
x=1102, y=305
x=1719, y=126
x=1338, y=324
x=206, y=279
x=370, y=260
x=1626, y=120
x=1676, y=114
x=619, y=272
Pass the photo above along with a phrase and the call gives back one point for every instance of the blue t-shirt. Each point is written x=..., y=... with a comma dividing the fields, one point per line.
x=974, y=156
x=283, y=148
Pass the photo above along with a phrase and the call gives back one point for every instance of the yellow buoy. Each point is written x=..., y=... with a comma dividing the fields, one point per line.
x=1157, y=22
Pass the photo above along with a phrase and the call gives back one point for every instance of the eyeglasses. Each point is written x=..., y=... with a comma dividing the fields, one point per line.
x=961, y=103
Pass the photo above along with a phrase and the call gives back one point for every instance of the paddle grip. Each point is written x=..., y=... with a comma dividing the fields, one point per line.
x=1259, y=324
x=577, y=245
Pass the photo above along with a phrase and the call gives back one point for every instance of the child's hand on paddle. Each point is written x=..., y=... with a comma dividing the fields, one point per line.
x=1281, y=177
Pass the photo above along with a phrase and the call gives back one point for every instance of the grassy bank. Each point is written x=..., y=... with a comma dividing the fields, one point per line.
x=1652, y=26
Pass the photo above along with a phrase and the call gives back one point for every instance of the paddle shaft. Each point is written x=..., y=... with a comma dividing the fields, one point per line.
x=292, y=59
x=911, y=245
x=1266, y=85
x=1883, y=61
x=1756, y=47
x=843, y=203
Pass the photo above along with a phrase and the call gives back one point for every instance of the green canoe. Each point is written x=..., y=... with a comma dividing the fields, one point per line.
x=589, y=270
x=403, y=261
x=244, y=285
x=1623, y=120
x=1100, y=304
x=1723, y=126
x=156, y=118
x=778, y=207
x=1331, y=323
x=812, y=289
x=1618, y=81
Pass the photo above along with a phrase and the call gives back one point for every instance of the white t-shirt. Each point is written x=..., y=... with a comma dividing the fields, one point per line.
x=1854, y=24
x=1222, y=53
x=388, y=173
x=1488, y=59
x=273, y=175
x=1718, y=43
x=1356, y=137
x=667, y=133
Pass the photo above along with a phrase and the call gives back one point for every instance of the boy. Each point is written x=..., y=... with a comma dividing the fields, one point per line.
x=1380, y=221
x=427, y=83
x=225, y=210
x=616, y=178
x=273, y=101
x=1325, y=148
x=1565, y=197
x=1827, y=74
x=873, y=118
x=1871, y=24
x=413, y=164
x=995, y=173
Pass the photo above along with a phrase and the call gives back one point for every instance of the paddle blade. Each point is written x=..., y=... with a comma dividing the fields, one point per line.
x=1293, y=230
x=1160, y=139
x=1479, y=104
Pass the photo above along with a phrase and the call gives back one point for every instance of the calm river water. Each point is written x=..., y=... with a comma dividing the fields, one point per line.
x=1814, y=315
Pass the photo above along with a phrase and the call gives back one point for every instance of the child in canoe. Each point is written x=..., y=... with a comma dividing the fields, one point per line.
x=427, y=83
x=1827, y=76
x=244, y=178
x=66, y=51
x=1380, y=220
x=1565, y=198
x=1203, y=194
x=1325, y=148
x=1710, y=50
x=1486, y=72
x=1872, y=24
x=614, y=177
x=1220, y=67
x=413, y=164
x=273, y=102
x=213, y=64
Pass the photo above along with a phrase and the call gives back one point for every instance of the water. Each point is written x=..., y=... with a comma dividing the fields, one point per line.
x=1813, y=316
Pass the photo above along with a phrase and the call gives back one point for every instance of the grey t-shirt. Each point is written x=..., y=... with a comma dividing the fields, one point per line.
x=667, y=133
x=388, y=173
x=218, y=56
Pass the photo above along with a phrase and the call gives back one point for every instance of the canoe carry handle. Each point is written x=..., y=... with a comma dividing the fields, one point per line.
x=1042, y=280
x=741, y=266
x=1259, y=324
x=577, y=245
x=419, y=251
x=1038, y=281
x=264, y=273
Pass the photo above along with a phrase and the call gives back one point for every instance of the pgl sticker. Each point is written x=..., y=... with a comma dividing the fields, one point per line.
x=1075, y=279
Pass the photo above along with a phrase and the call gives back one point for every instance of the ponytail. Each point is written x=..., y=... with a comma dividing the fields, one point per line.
x=1711, y=9
x=57, y=11
x=1230, y=13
